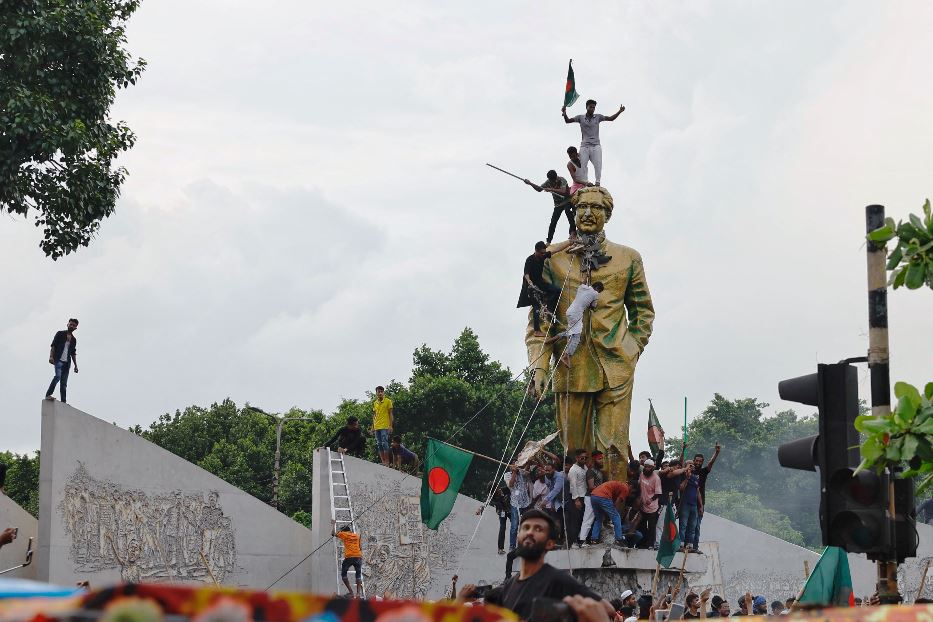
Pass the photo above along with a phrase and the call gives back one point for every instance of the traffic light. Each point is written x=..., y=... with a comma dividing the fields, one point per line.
x=852, y=507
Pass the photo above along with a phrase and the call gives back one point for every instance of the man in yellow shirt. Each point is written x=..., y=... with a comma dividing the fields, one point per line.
x=352, y=557
x=382, y=424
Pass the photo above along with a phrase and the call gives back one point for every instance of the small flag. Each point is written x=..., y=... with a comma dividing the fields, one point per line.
x=830, y=583
x=670, y=538
x=445, y=467
x=655, y=431
x=570, y=90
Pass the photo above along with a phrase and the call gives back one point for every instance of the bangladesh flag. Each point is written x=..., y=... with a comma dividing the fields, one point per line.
x=655, y=431
x=670, y=538
x=445, y=467
x=570, y=90
x=830, y=584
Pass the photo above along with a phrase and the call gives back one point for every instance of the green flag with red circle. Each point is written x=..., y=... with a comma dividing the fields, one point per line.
x=570, y=87
x=670, y=538
x=445, y=467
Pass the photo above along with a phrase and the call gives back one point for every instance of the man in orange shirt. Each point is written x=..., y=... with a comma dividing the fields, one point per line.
x=352, y=557
x=604, y=498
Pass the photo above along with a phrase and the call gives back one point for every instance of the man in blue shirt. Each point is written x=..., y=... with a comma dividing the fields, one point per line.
x=691, y=504
x=554, y=502
x=402, y=457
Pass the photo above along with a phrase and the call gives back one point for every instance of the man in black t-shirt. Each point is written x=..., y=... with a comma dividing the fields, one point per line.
x=535, y=290
x=703, y=473
x=536, y=579
x=349, y=438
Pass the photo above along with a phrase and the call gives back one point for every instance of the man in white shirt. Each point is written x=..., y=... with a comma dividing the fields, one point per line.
x=590, y=149
x=584, y=299
x=577, y=478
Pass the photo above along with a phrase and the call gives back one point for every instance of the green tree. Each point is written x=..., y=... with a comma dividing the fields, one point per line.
x=747, y=510
x=22, y=480
x=61, y=62
x=748, y=463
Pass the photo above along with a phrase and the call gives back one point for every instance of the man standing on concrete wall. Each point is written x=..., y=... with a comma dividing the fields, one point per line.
x=383, y=418
x=63, y=351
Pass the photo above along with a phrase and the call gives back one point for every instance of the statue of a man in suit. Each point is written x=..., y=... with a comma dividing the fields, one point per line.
x=594, y=393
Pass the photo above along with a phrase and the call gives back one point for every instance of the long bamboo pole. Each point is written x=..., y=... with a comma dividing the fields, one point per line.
x=478, y=455
x=923, y=580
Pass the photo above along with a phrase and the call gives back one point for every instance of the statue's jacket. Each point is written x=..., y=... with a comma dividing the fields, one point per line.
x=614, y=333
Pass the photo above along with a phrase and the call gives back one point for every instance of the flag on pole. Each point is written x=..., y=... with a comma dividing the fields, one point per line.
x=830, y=583
x=670, y=538
x=655, y=431
x=570, y=90
x=445, y=467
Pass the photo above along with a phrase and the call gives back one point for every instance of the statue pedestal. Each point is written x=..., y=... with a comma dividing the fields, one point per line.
x=634, y=569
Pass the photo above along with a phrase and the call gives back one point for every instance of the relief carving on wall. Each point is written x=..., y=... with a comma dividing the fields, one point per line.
x=174, y=536
x=402, y=558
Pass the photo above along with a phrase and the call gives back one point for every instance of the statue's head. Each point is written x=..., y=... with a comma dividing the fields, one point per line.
x=594, y=208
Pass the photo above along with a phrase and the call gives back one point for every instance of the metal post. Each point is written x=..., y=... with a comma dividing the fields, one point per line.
x=278, y=453
x=878, y=357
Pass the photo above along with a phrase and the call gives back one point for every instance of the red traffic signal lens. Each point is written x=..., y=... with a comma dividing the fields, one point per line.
x=864, y=487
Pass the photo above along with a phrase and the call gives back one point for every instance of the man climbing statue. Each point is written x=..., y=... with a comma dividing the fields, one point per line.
x=594, y=394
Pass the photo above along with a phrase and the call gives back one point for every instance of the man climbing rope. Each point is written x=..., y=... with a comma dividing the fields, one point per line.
x=352, y=557
x=585, y=299
x=590, y=149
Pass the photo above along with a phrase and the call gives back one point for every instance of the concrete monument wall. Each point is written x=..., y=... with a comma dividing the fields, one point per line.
x=115, y=507
x=14, y=554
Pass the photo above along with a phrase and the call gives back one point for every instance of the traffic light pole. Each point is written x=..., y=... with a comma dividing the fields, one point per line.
x=878, y=356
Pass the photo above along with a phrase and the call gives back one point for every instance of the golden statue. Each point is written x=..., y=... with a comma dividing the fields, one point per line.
x=594, y=393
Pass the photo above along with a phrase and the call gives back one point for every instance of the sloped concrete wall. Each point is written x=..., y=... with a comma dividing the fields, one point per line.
x=114, y=507
x=750, y=560
x=12, y=515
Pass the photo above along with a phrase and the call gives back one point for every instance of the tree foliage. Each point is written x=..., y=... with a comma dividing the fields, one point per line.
x=61, y=62
x=22, y=480
x=902, y=441
x=748, y=466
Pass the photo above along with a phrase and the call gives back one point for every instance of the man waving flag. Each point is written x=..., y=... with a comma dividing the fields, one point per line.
x=570, y=90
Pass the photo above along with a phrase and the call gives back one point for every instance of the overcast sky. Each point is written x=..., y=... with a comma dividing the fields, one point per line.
x=308, y=202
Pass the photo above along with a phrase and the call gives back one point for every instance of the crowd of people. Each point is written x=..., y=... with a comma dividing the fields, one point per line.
x=577, y=494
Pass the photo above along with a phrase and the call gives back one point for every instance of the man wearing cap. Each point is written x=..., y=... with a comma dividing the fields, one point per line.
x=594, y=478
x=606, y=498
x=650, y=485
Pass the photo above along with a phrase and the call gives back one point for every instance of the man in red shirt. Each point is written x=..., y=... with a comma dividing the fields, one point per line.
x=605, y=498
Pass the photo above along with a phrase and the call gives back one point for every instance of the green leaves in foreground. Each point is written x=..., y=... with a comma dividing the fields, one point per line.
x=911, y=261
x=903, y=437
